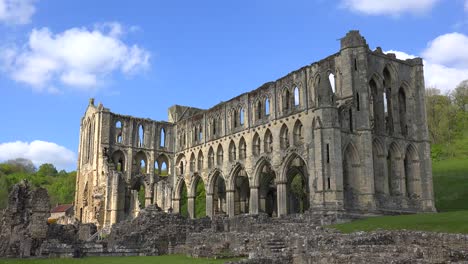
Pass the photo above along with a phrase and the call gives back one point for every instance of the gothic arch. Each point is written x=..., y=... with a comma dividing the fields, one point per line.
x=298, y=133
x=140, y=162
x=380, y=168
x=284, y=137
x=351, y=176
x=268, y=142
x=412, y=171
x=295, y=173
x=232, y=151
x=395, y=170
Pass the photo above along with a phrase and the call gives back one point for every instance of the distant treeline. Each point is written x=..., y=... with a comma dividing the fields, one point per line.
x=447, y=119
x=59, y=184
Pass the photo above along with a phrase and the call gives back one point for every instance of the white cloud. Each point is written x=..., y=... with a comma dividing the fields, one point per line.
x=17, y=12
x=388, y=7
x=77, y=57
x=445, y=61
x=39, y=152
x=449, y=49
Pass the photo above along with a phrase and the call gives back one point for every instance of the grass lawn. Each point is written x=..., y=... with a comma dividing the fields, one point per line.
x=451, y=199
x=451, y=184
x=447, y=222
x=172, y=259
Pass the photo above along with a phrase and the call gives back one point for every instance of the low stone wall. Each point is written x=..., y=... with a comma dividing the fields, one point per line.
x=296, y=239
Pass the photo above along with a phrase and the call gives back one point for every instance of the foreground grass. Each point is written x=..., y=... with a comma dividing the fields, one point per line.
x=173, y=259
x=448, y=222
x=450, y=179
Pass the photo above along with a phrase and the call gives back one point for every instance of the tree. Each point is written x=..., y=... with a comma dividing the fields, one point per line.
x=460, y=96
x=47, y=169
x=21, y=164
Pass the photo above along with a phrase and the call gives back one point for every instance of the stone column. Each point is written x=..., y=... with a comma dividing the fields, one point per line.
x=114, y=197
x=281, y=198
x=253, y=200
x=176, y=205
x=209, y=205
x=191, y=206
x=230, y=210
x=148, y=196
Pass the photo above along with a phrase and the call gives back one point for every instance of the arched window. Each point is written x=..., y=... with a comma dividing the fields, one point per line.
x=119, y=138
x=141, y=135
x=267, y=107
x=284, y=137
x=181, y=167
x=142, y=167
x=235, y=119
x=200, y=160
x=331, y=78
x=296, y=97
x=118, y=124
x=259, y=110
x=242, y=149
x=268, y=148
x=232, y=151
x=388, y=99
x=219, y=154
x=210, y=158
x=200, y=134
x=163, y=171
x=256, y=145
x=162, y=138
x=286, y=100
x=192, y=163
x=298, y=138
x=241, y=114
x=213, y=123
x=402, y=111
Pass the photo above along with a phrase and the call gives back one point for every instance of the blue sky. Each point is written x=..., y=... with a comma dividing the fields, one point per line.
x=141, y=57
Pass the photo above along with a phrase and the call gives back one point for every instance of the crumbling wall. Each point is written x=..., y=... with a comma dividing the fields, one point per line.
x=24, y=222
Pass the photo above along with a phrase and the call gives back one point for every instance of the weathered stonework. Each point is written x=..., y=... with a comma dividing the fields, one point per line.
x=23, y=225
x=359, y=145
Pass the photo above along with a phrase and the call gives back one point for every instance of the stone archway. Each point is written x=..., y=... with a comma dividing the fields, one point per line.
x=297, y=188
x=239, y=184
x=351, y=174
x=267, y=191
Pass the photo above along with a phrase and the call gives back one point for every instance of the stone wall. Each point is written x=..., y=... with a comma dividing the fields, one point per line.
x=23, y=224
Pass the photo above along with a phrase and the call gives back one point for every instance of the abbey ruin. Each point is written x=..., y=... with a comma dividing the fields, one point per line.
x=349, y=130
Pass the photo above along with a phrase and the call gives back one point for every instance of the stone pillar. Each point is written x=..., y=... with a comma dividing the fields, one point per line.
x=253, y=200
x=191, y=206
x=209, y=205
x=230, y=210
x=114, y=198
x=176, y=205
x=148, y=196
x=281, y=198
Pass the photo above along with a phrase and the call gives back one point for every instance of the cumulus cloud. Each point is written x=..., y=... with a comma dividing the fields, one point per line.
x=445, y=61
x=17, y=12
x=388, y=7
x=449, y=49
x=78, y=57
x=39, y=152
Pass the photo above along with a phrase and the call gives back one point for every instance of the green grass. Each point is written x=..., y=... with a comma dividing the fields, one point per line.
x=448, y=222
x=172, y=259
x=451, y=184
x=450, y=179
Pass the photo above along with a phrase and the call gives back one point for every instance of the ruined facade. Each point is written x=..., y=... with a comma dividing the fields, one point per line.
x=345, y=134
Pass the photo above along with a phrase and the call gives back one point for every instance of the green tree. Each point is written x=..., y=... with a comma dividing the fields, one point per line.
x=47, y=169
